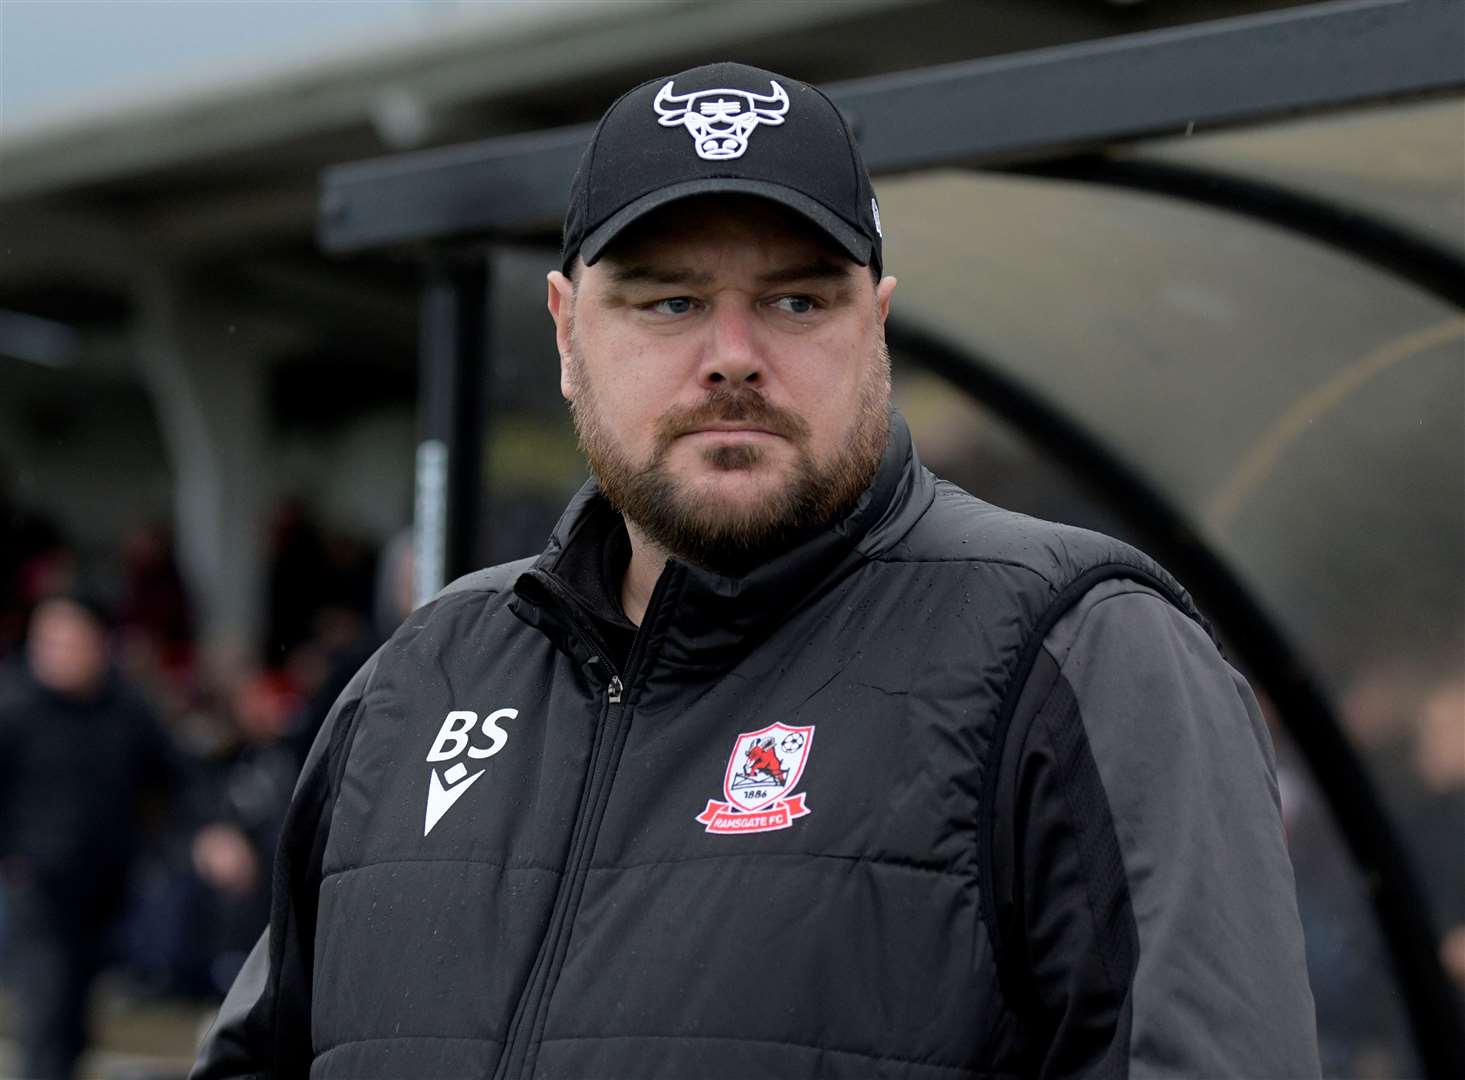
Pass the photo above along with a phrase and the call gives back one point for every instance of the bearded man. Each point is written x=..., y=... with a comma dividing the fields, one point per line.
x=785, y=759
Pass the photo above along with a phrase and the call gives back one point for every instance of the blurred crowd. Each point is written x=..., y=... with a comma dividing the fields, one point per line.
x=144, y=775
x=1407, y=721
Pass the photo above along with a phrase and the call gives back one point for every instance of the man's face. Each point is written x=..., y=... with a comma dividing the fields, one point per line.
x=67, y=648
x=727, y=373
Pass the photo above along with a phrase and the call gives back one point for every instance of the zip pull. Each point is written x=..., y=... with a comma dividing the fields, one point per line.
x=615, y=689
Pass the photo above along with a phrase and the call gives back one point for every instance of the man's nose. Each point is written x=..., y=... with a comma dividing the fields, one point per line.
x=732, y=356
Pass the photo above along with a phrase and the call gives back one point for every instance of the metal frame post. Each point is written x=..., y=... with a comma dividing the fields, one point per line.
x=453, y=363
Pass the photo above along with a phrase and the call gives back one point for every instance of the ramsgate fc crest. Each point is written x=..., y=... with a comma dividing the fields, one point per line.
x=762, y=774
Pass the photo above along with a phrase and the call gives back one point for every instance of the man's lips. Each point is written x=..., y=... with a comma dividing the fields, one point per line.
x=732, y=433
x=730, y=430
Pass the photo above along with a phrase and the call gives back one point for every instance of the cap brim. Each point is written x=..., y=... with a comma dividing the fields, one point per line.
x=855, y=244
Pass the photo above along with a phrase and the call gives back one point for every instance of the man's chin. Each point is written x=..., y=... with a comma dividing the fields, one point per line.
x=739, y=496
x=728, y=479
x=732, y=519
x=728, y=512
x=707, y=454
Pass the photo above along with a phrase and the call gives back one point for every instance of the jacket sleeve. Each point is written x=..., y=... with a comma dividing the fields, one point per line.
x=1144, y=893
x=263, y=1027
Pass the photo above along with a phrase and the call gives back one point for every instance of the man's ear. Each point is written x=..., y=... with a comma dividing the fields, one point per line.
x=882, y=296
x=561, y=303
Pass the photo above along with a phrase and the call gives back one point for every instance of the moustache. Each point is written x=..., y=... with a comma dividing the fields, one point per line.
x=723, y=406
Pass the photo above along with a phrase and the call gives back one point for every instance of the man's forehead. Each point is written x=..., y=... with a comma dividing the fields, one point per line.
x=679, y=240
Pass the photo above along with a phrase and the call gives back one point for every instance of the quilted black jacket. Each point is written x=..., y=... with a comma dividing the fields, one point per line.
x=941, y=792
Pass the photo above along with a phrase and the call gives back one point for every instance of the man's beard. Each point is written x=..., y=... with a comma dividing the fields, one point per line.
x=699, y=527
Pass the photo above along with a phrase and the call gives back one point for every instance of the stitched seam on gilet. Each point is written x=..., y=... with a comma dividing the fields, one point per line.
x=333, y=1047
x=797, y=855
x=336, y=770
x=869, y=1056
x=966, y=559
x=436, y=859
x=801, y=856
x=444, y=600
x=1023, y=1000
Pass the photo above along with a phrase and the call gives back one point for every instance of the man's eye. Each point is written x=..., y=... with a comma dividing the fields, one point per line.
x=672, y=305
x=796, y=305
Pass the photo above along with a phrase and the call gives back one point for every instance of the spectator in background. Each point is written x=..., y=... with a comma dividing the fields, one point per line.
x=394, y=570
x=273, y=718
x=312, y=567
x=34, y=562
x=155, y=618
x=249, y=789
x=79, y=751
x=1436, y=820
x=341, y=655
x=297, y=567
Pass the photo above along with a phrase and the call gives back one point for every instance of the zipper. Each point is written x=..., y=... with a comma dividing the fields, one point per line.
x=523, y=1029
x=580, y=624
x=521, y=1044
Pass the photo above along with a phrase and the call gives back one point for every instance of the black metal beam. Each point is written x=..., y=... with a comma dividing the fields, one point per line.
x=1428, y=265
x=1279, y=670
x=1224, y=72
x=452, y=367
x=1040, y=104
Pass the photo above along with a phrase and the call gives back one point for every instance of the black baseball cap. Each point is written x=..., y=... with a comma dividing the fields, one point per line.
x=722, y=129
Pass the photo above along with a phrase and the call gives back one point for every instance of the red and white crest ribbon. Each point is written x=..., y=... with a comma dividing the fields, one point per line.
x=721, y=817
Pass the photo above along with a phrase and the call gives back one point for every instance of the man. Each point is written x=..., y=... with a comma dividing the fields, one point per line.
x=77, y=751
x=785, y=759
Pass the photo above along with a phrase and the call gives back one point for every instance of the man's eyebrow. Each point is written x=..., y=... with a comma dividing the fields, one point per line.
x=641, y=274
x=818, y=270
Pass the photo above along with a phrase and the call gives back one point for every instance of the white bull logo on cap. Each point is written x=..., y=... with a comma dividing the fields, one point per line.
x=720, y=121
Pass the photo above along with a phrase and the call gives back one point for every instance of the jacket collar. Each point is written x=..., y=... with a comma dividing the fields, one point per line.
x=701, y=622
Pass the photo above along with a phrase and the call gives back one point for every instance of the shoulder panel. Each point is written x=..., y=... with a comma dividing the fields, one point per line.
x=959, y=527
x=481, y=585
x=493, y=579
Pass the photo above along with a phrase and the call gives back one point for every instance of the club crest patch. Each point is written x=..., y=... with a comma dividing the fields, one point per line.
x=762, y=773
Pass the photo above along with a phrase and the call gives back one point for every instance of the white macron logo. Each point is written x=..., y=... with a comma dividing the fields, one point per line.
x=720, y=121
x=451, y=742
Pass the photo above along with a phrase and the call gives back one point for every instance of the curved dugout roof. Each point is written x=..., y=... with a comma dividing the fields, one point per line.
x=1304, y=409
x=1400, y=162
